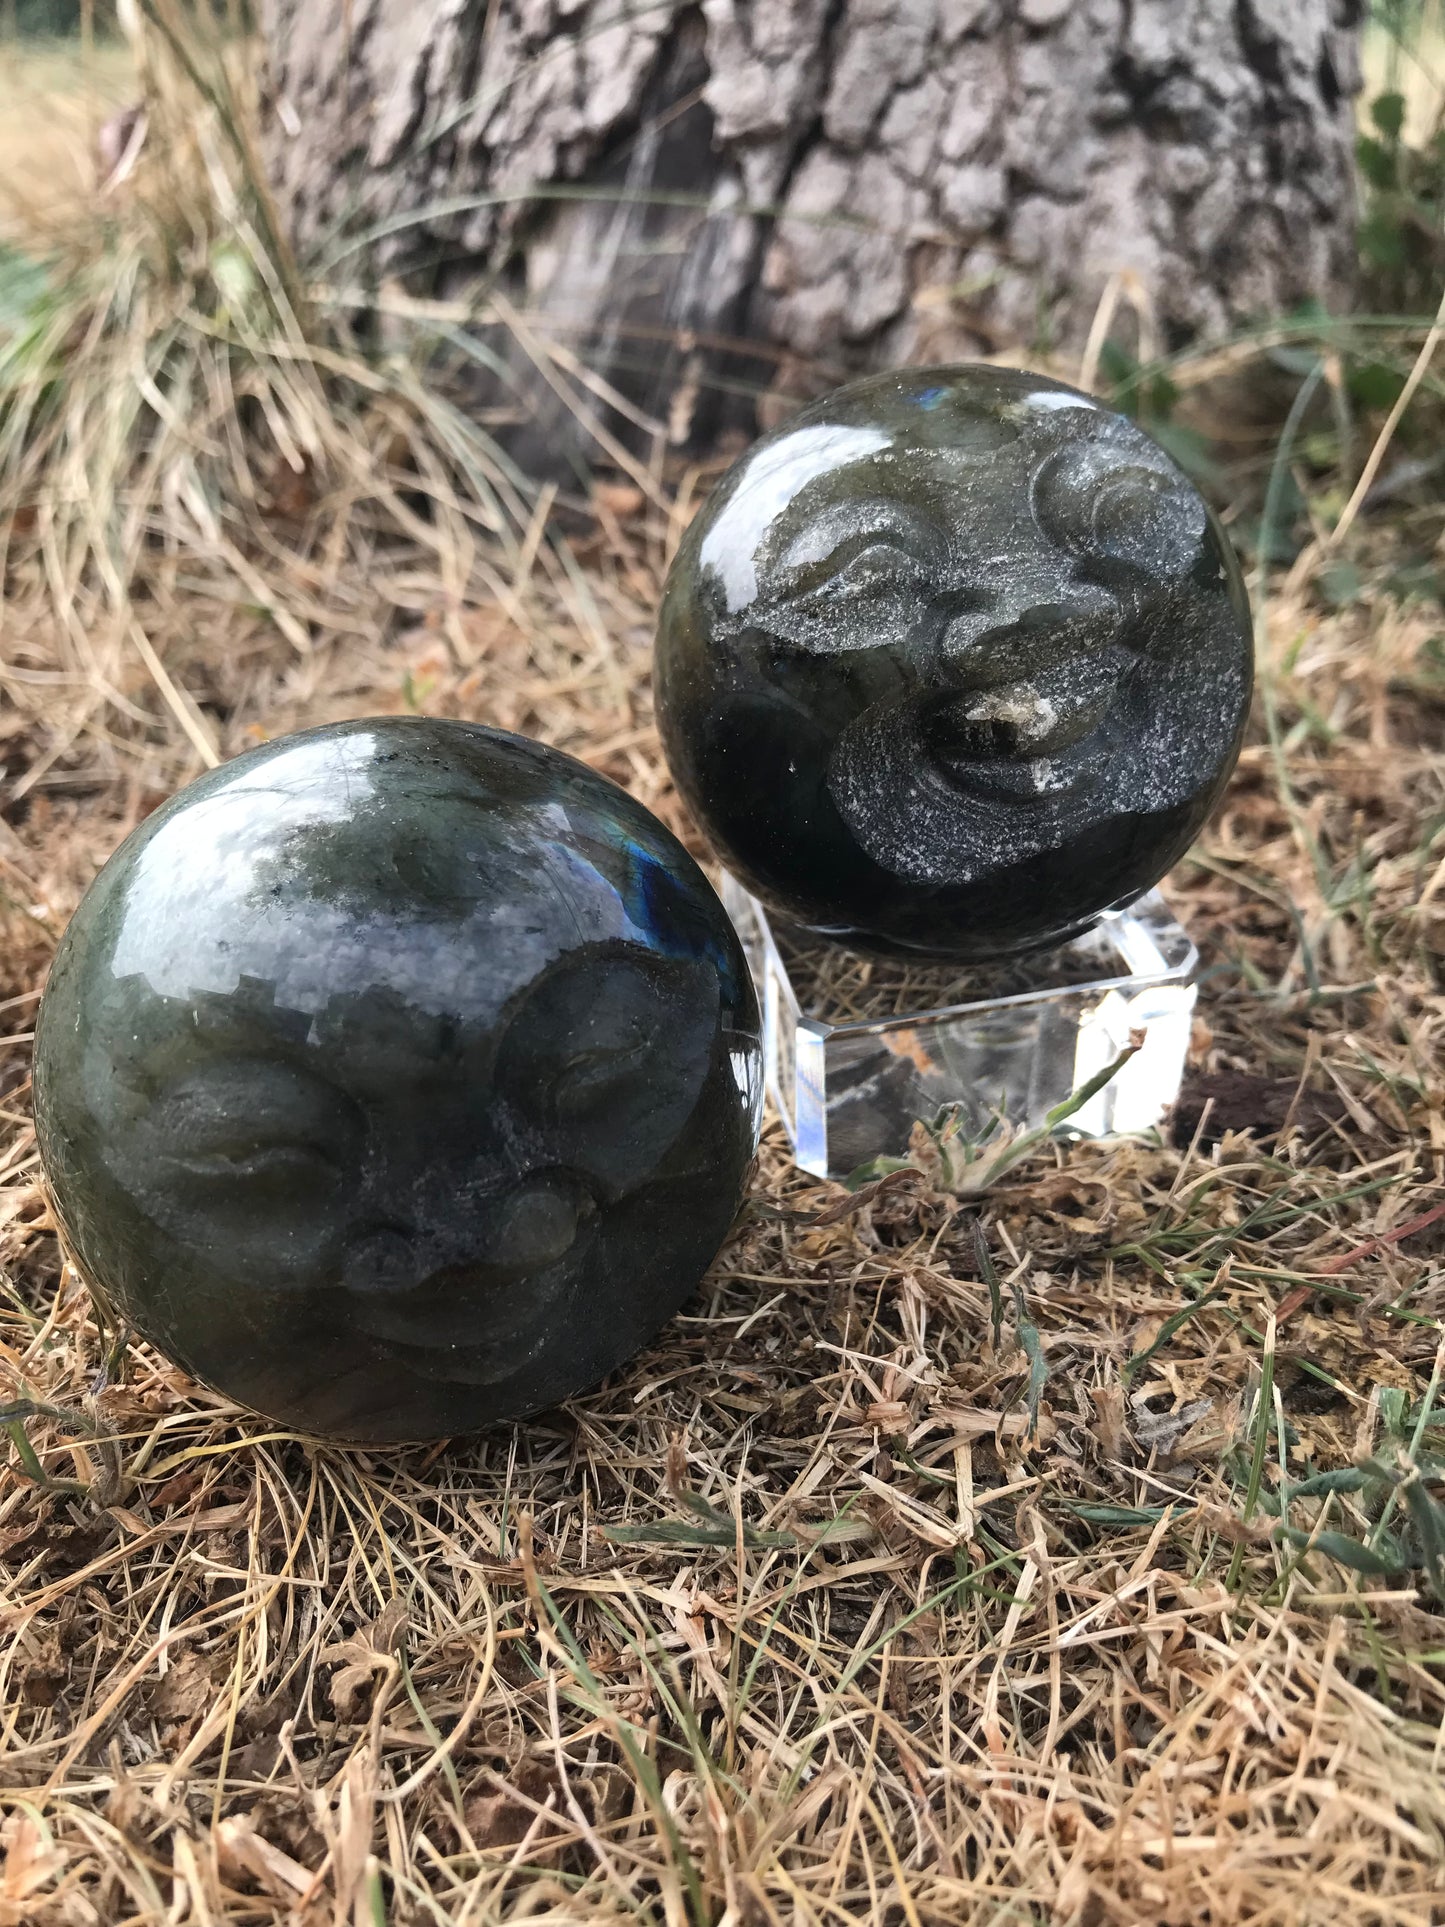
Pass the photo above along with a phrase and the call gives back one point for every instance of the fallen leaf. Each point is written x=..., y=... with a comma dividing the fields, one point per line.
x=242, y=1850
x=365, y=1654
x=1109, y=1421
x=501, y=1818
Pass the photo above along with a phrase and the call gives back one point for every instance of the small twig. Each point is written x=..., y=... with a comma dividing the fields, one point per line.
x=989, y=1274
x=1099, y=331
x=1387, y=433
x=179, y=704
x=1372, y=1245
x=869, y=1194
x=1306, y=562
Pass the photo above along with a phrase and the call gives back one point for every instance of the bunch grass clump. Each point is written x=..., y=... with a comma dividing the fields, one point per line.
x=190, y=431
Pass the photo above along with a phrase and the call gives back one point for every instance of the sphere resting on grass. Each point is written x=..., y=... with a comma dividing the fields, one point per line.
x=397, y=1078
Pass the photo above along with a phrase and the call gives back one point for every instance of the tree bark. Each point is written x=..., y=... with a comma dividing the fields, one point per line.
x=842, y=184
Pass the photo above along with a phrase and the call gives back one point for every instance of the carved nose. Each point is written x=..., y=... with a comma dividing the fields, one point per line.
x=380, y=1260
x=979, y=632
x=526, y=1228
x=1021, y=633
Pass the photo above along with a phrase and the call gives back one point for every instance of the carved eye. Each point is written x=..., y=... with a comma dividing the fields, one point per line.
x=876, y=568
x=863, y=593
x=1097, y=506
x=250, y=1159
x=606, y=1056
x=585, y=1081
x=252, y=1122
x=272, y=1165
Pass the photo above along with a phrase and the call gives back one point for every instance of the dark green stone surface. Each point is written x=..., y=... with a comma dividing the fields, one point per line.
x=398, y=1077
x=952, y=662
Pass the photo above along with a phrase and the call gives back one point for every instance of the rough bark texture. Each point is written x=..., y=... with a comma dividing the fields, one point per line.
x=851, y=182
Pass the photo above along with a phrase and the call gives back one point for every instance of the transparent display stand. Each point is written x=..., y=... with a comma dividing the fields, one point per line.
x=857, y=1050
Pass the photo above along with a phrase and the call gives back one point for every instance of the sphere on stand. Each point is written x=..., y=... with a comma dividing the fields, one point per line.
x=397, y=1078
x=952, y=662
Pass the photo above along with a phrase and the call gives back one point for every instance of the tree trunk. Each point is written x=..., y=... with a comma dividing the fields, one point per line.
x=839, y=184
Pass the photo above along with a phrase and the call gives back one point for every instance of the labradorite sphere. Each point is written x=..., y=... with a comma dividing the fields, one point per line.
x=952, y=662
x=397, y=1078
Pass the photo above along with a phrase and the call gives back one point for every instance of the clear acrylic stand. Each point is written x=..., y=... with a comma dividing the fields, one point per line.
x=850, y=1072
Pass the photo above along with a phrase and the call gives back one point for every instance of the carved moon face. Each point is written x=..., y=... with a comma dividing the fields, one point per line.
x=398, y=1078
x=947, y=637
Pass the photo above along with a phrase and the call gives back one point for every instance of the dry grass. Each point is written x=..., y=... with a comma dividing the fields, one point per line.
x=845, y=987
x=937, y=1564
x=52, y=109
x=1408, y=57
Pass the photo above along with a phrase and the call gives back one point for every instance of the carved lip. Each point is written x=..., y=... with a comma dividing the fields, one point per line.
x=429, y=1327
x=1027, y=738
x=547, y=1266
x=481, y=1303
